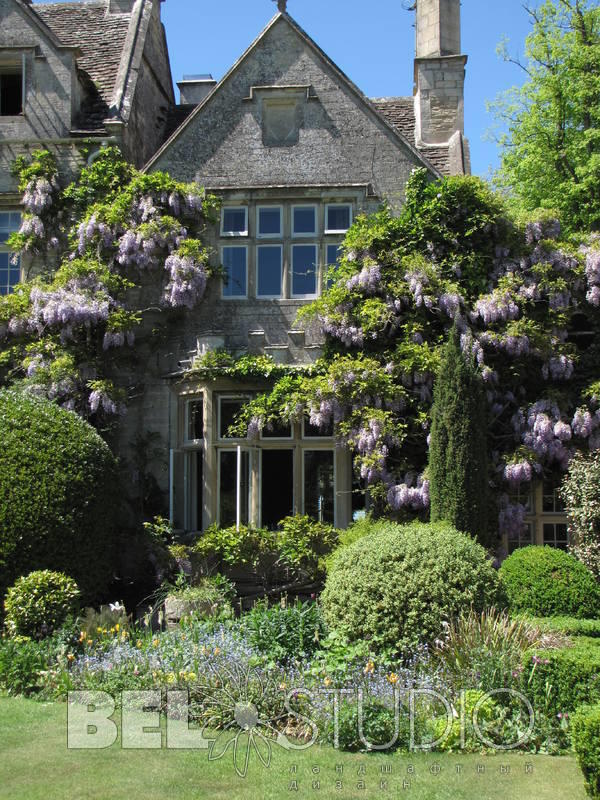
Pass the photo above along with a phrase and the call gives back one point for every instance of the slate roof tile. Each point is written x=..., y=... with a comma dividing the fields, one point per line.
x=400, y=113
x=101, y=39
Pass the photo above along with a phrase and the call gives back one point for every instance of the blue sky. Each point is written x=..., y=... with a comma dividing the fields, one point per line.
x=372, y=42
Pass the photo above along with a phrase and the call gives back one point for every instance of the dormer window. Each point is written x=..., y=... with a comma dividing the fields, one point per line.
x=11, y=90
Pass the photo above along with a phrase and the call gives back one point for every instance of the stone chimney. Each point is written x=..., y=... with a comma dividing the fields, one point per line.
x=120, y=6
x=439, y=73
x=194, y=88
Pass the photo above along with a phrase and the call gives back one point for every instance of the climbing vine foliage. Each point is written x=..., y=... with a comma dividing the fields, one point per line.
x=519, y=295
x=102, y=253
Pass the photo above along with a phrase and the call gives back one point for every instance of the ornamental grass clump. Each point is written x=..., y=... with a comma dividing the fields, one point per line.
x=396, y=587
x=484, y=649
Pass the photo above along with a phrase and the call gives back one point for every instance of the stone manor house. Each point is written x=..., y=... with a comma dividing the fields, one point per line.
x=295, y=151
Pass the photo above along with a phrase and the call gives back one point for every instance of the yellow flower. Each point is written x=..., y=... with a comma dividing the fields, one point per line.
x=370, y=668
x=70, y=657
x=327, y=681
x=171, y=677
x=82, y=636
x=139, y=643
x=191, y=676
x=123, y=634
x=183, y=636
x=282, y=686
x=155, y=642
x=393, y=678
x=98, y=630
x=217, y=651
x=117, y=627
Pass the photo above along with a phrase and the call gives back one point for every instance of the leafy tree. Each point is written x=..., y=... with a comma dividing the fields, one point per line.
x=458, y=449
x=551, y=149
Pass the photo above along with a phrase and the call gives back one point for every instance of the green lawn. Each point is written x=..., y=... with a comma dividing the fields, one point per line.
x=35, y=763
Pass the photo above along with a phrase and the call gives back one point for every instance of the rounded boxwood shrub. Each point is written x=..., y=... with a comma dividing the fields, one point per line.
x=547, y=582
x=58, y=494
x=397, y=586
x=586, y=742
x=39, y=603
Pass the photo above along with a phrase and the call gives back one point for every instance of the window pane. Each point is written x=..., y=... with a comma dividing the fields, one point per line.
x=195, y=420
x=9, y=223
x=305, y=220
x=552, y=502
x=228, y=408
x=277, y=430
x=11, y=93
x=304, y=269
x=228, y=488
x=234, y=220
x=277, y=486
x=338, y=218
x=318, y=485
x=268, y=272
x=522, y=538
x=313, y=432
x=234, y=261
x=269, y=222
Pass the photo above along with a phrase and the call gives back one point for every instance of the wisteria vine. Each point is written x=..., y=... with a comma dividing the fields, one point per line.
x=104, y=250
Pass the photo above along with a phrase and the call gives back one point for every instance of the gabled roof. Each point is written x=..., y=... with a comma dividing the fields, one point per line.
x=100, y=39
x=400, y=112
x=397, y=132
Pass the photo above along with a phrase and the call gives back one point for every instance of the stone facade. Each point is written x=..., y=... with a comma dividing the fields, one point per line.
x=284, y=129
x=295, y=151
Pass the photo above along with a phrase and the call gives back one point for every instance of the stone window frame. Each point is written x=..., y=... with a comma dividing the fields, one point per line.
x=524, y=538
x=269, y=207
x=8, y=287
x=561, y=544
x=13, y=61
x=301, y=235
x=234, y=234
x=336, y=231
x=228, y=395
x=188, y=403
x=304, y=452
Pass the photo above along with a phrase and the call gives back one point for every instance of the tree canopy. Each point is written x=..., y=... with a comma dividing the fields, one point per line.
x=551, y=145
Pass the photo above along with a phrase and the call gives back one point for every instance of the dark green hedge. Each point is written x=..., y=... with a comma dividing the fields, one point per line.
x=397, y=586
x=570, y=626
x=562, y=680
x=586, y=741
x=547, y=582
x=58, y=495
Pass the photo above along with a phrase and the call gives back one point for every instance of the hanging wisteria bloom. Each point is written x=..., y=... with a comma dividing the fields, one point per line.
x=187, y=281
x=412, y=495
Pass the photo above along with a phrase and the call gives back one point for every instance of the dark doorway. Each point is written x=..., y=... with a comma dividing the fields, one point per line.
x=277, y=486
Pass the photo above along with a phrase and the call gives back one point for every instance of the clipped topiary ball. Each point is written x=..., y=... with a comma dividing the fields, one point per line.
x=396, y=587
x=39, y=603
x=547, y=582
x=58, y=495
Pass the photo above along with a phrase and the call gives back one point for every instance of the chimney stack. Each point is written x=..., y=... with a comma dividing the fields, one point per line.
x=439, y=73
x=194, y=88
